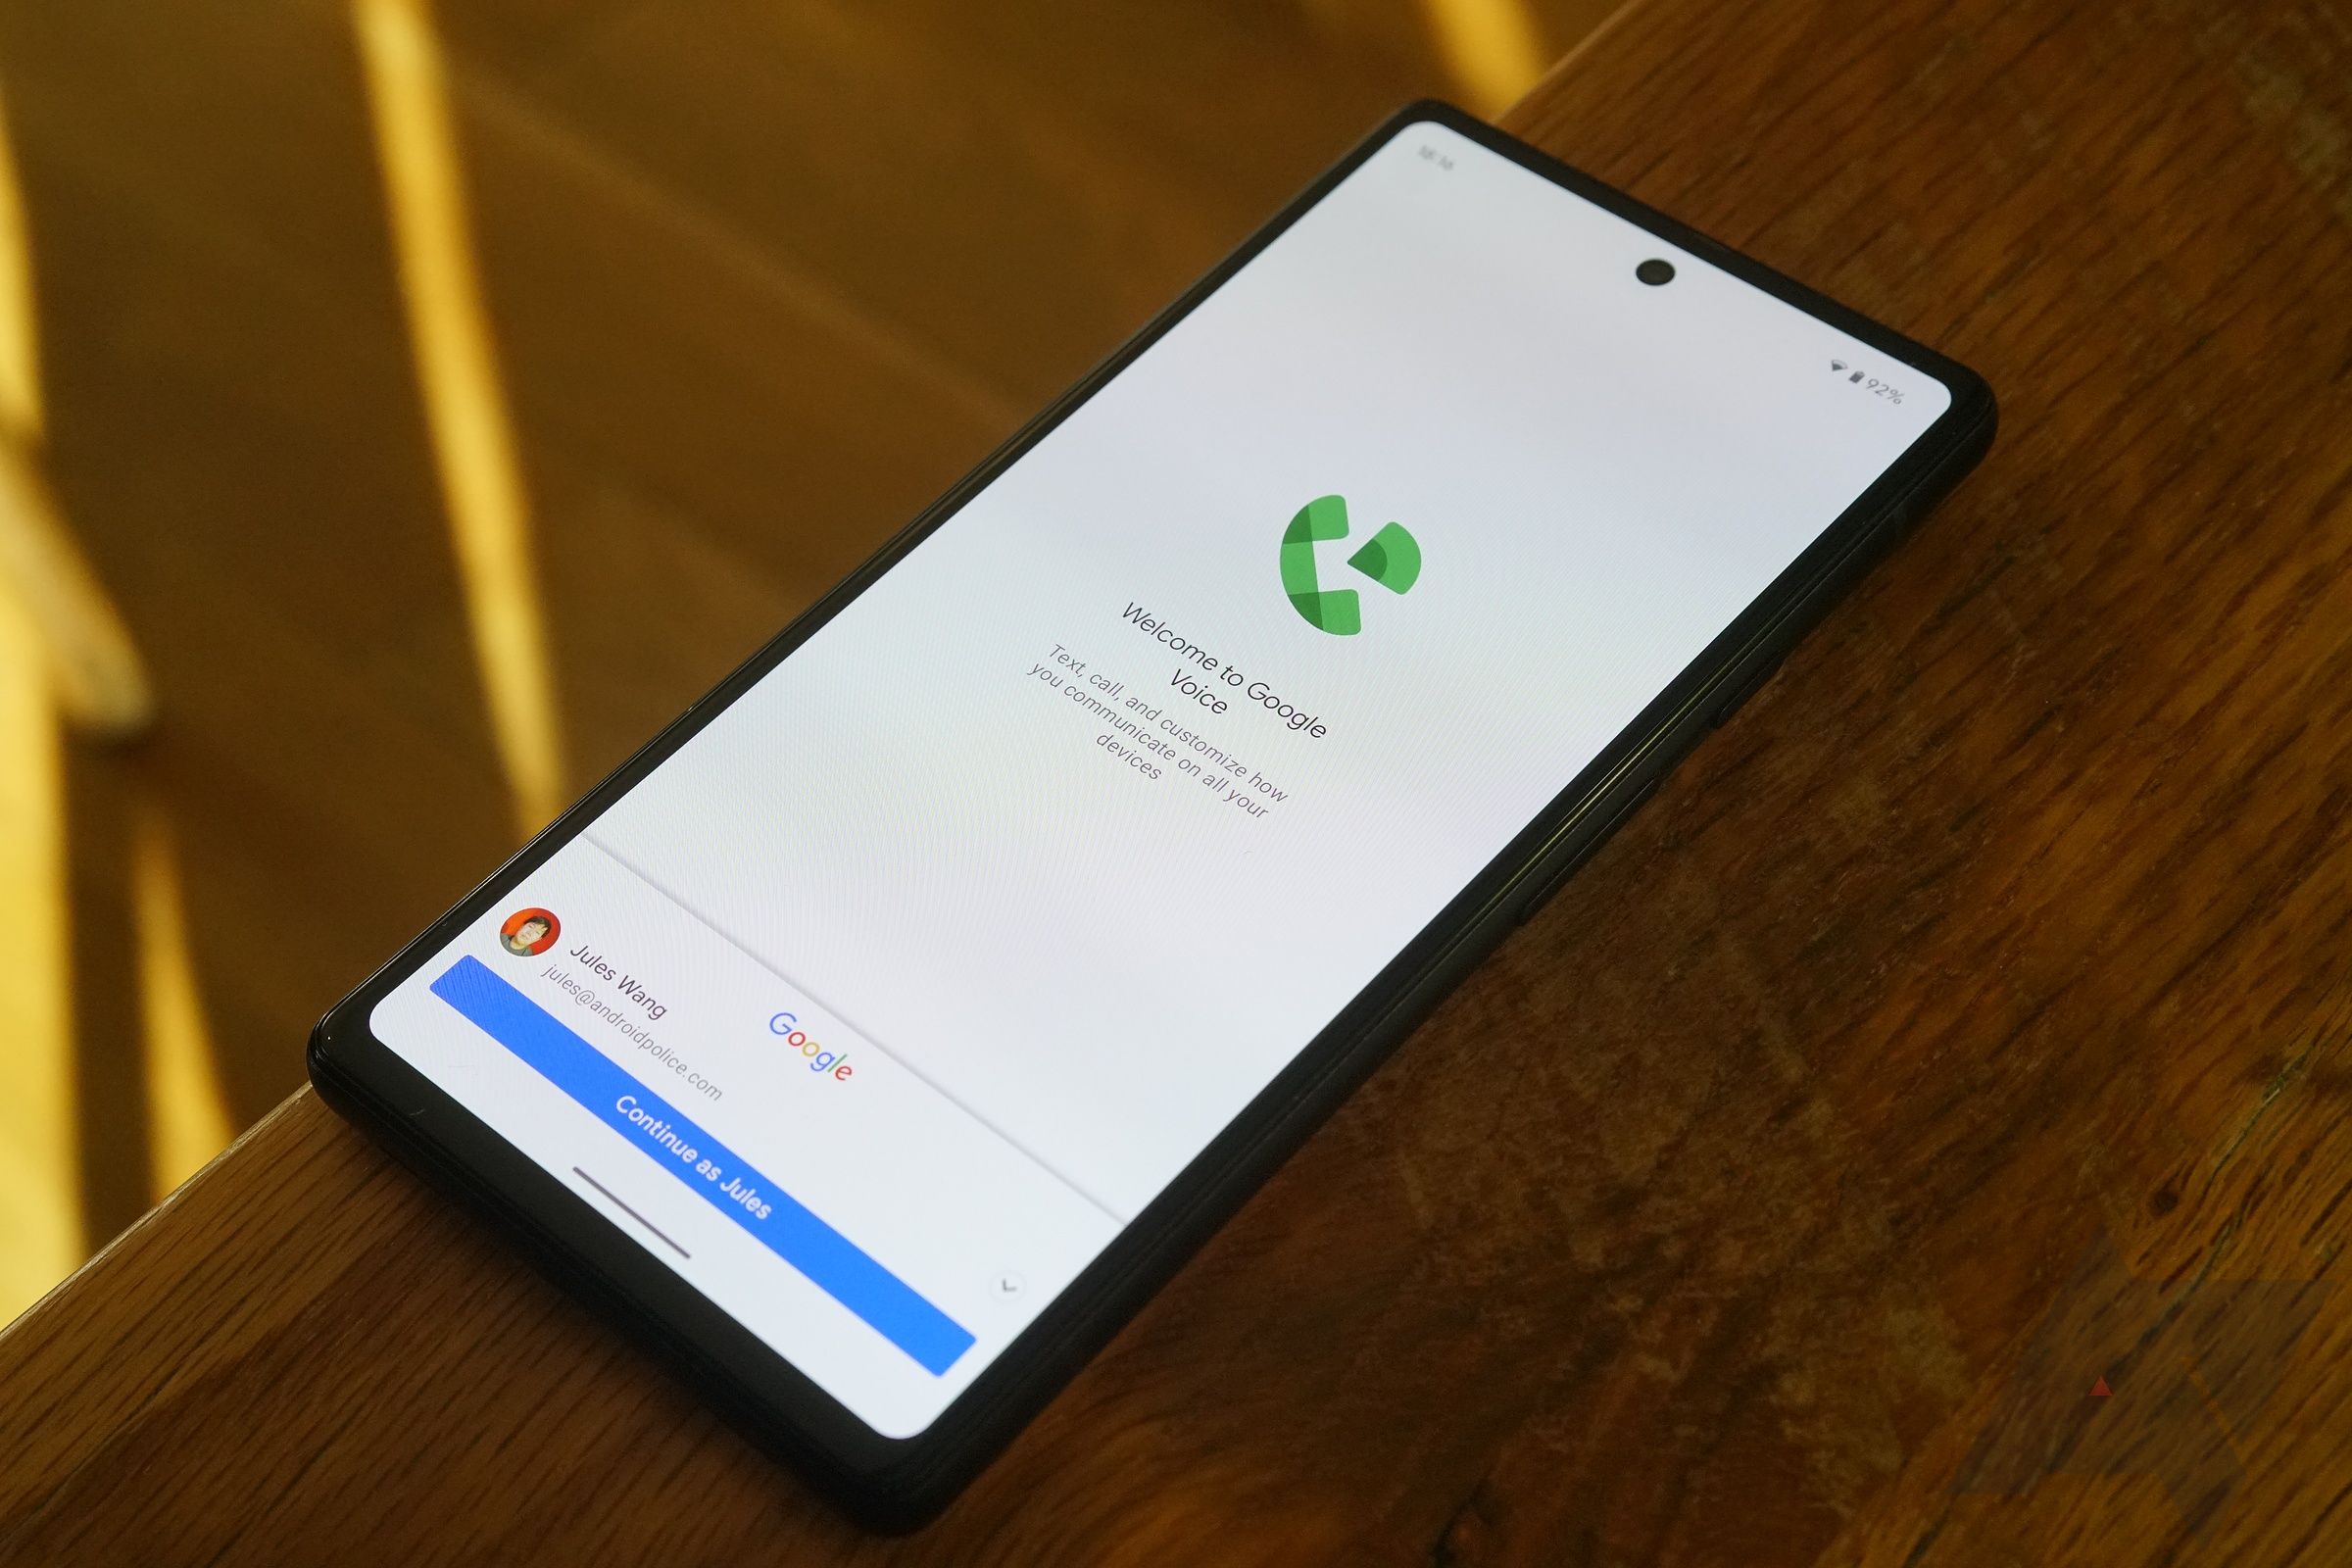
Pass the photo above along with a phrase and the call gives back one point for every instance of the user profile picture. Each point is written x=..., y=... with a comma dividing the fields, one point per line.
x=528, y=931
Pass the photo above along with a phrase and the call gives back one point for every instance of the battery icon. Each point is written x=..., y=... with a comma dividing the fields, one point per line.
x=1856, y=377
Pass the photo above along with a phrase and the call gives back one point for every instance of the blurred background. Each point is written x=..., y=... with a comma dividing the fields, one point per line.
x=406, y=410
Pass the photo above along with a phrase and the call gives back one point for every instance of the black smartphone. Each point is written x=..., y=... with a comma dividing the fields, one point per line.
x=881, y=1036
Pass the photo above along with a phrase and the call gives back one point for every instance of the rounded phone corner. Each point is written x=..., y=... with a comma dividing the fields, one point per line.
x=1974, y=403
x=318, y=1054
x=356, y=1075
x=1430, y=112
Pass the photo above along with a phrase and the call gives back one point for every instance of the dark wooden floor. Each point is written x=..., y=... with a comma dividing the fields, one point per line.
x=761, y=277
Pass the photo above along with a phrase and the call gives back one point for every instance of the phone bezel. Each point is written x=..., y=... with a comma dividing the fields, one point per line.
x=898, y=1483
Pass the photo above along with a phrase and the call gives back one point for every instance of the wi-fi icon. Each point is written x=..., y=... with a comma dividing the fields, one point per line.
x=1837, y=364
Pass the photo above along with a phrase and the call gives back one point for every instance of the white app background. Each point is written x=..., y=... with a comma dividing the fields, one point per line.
x=1067, y=976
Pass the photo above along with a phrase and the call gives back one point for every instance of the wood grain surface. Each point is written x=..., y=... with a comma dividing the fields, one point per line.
x=1966, y=1028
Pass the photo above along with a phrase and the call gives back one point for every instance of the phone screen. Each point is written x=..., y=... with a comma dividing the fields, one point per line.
x=883, y=1004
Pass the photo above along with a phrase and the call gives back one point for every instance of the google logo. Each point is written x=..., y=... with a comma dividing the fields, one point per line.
x=834, y=1064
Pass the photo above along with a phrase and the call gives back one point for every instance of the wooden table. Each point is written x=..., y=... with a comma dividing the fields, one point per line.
x=1966, y=1030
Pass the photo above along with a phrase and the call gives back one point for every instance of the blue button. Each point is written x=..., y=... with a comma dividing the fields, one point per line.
x=830, y=1261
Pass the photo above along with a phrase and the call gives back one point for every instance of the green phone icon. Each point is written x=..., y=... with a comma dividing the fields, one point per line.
x=1391, y=558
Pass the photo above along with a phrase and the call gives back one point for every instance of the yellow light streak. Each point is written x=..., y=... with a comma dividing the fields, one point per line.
x=464, y=399
x=80, y=638
x=19, y=343
x=187, y=1111
x=40, y=1205
x=41, y=1238
x=1491, y=48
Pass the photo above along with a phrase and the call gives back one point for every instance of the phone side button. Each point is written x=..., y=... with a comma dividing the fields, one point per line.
x=1558, y=879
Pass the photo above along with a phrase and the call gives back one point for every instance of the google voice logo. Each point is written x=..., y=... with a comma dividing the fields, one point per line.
x=1391, y=558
